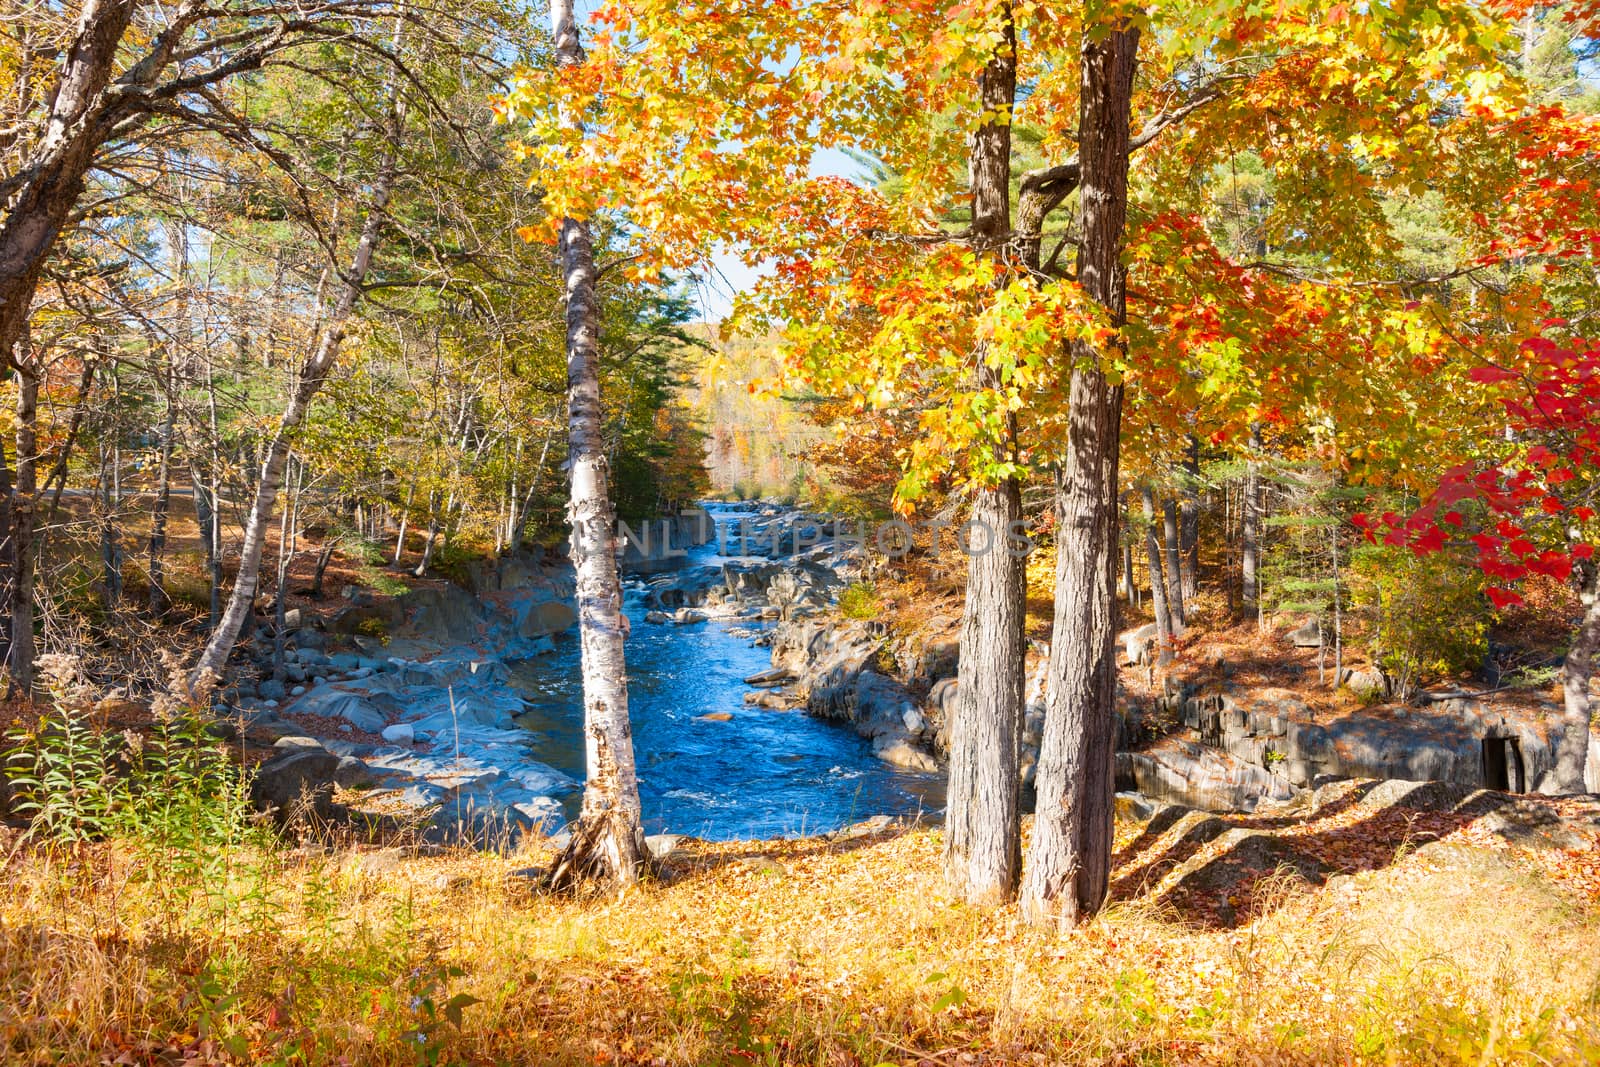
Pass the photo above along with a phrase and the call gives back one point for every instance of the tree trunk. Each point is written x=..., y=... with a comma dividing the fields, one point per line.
x=323, y=558
x=8, y=557
x=983, y=844
x=608, y=841
x=1190, y=537
x=312, y=374
x=1572, y=752
x=1158, y=577
x=110, y=526
x=1127, y=573
x=1250, y=531
x=40, y=207
x=1069, y=862
x=23, y=518
x=159, y=600
x=1169, y=522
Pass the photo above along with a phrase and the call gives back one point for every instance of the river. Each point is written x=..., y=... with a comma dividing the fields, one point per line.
x=759, y=774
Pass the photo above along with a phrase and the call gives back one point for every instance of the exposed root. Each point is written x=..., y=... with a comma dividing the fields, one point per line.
x=607, y=848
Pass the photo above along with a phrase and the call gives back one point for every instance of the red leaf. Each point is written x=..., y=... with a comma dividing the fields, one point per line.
x=1502, y=598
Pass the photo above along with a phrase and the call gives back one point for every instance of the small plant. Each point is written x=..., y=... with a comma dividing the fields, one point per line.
x=375, y=628
x=61, y=771
x=859, y=600
x=1428, y=616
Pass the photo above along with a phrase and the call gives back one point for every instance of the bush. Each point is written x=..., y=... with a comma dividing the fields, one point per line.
x=859, y=600
x=1427, y=617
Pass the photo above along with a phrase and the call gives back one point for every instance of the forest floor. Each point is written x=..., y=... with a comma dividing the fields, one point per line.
x=1423, y=934
x=1357, y=930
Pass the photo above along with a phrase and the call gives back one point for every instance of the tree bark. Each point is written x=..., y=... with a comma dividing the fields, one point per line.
x=608, y=841
x=40, y=207
x=159, y=601
x=1572, y=751
x=1250, y=527
x=1169, y=523
x=1160, y=602
x=983, y=850
x=1069, y=861
x=1190, y=538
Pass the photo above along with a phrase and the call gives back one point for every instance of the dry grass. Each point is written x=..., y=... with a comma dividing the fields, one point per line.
x=780, y=952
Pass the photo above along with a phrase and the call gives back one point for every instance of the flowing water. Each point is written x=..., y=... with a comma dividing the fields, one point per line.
x=760, y=774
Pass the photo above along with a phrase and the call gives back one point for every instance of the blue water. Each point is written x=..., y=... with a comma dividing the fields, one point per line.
x=761, y=774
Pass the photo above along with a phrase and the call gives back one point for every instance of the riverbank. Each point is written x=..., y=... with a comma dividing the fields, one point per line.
x=459, y=709
x=1381, y=927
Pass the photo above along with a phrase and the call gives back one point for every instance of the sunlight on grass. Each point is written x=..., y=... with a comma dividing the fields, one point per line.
x=815, y=954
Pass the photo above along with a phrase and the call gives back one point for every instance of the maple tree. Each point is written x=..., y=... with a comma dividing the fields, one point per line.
x=931, y=294
x=1537, y=504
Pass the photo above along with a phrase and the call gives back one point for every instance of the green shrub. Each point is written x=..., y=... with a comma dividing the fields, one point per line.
x=859, y=600
x=1427, y=617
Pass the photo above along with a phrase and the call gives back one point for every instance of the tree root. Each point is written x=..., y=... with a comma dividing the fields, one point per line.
x=606, y=849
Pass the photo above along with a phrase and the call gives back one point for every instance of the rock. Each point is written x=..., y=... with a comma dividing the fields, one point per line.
x=294, y=672
x=902, y=753
x=1136, y=643
x=271, y=689
x=689, y=616
x=865, y=828
x=446, y=614
x=1309, y=635
x=715, y=716
x=297, y=691
x=1368, y=683
x=297, y=741
x=551, y=617
x=657, y=618
x=662, y=845
x=310, y=643
x=1135, y=807
x=363, y=717
x=774, y=677
x=292, y=619
x=299, y=780
x=399, y=734
x=344, y=661
x=364, y=618
x=352, y=773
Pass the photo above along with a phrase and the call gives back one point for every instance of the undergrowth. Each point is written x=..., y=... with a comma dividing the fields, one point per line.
x=150, y=918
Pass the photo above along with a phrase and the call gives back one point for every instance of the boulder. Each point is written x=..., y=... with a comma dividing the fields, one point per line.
x=688, y=617
x=899, y=750
x=1308, y=635
x=352, y=773
x=363, y=717
x=1369, y=683
x=446, y=614
x=657, y=618
x=271, y=689
x=551, y=617
x=1136, y=642
x=299, y=780
x=399, y=734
